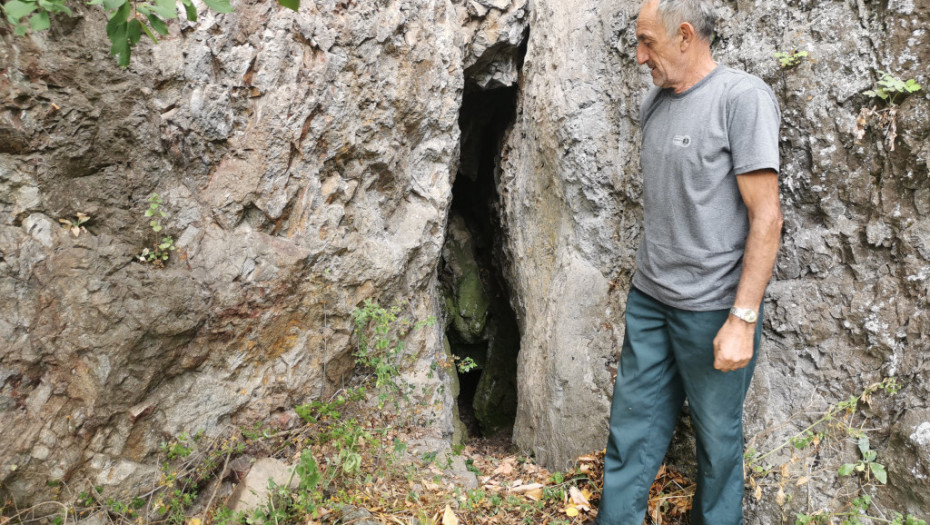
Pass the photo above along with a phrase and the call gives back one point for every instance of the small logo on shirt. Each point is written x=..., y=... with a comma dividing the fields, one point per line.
x=682, y=141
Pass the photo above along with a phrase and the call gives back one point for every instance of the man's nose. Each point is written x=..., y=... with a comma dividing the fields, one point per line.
x=641, y=56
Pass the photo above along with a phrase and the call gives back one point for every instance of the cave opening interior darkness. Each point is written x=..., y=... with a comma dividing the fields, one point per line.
x=481, y=324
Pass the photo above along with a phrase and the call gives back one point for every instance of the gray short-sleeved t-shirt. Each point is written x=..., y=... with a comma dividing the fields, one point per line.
x=695, y=143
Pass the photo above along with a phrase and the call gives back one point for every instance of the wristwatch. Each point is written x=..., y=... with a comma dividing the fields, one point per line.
x=750, y=316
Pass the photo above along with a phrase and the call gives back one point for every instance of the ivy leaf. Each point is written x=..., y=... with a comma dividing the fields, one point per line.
x=148, y=32
x=166, y=9
x=158, y=25
x=878, y=470
x=134, y=31
x=39, y=21
x=846, y=469
x=15, y=9
x=120, y=17
x=61, y=8
x=220, y=6
x=110, y=5
x=190, y=10
x=290, y=4
x=122, y=50
x=117, y=31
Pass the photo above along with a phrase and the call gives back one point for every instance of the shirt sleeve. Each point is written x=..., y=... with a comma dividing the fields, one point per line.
x=752, y=130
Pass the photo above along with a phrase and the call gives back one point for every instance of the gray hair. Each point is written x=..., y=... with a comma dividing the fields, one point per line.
x=699, y=13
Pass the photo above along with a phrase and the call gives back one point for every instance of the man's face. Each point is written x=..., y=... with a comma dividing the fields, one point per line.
x=656, y=48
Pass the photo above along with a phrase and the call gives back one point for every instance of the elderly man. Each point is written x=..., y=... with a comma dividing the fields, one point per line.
x=712, y=227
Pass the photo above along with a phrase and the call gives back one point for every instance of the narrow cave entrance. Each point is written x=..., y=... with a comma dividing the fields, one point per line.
x=481, y=324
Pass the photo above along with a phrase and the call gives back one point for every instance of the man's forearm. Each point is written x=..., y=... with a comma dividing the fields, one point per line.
x=759, y=257
x=733, y=346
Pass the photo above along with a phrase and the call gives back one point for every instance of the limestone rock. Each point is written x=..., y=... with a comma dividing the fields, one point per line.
x=851, y=280
x=252, y=491
x=306, y=161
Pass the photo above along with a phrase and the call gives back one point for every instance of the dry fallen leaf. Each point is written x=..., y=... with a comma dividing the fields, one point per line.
x=780, y=497
x=504, y=469
x=527, y=488
x=802, y=481
x=579, y=499
x=448, y=517
x=535, y=494
x=571, y=511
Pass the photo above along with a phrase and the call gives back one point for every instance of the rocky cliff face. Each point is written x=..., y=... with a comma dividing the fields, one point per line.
x=848, y=305
x=306, y=162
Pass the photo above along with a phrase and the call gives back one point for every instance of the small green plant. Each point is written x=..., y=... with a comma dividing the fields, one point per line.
x=867, y=465
x=225, y=516
x=812, y=445
x=465, y=364
x=805, y=439
x=179, y=448
x=891, y=88
x=790, y=59
x=380, y=334
x=76, y=227
x=858, y=514
x=158, y=254
x=89, y=498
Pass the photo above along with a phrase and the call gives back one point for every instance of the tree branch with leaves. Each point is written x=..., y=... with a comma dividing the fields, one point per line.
x=127, y=20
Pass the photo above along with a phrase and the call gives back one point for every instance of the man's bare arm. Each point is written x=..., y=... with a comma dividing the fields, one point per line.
x=733, y=345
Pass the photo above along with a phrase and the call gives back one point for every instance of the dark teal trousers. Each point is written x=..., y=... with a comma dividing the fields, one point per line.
x=667, y=356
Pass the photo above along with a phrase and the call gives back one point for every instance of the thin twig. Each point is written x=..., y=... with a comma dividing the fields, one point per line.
x=219, y=482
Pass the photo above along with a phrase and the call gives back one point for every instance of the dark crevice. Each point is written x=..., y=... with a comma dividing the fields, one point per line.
x=481, y=323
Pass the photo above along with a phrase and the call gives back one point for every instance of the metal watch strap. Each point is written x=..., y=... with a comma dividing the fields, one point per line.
x=745, y=314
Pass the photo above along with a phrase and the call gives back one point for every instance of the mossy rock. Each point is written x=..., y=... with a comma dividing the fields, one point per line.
x=471, y=306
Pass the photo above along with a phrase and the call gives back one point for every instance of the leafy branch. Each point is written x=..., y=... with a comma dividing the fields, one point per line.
x=127, y=19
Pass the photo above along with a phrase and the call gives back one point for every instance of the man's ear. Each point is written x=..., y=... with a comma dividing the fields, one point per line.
x=687, y=35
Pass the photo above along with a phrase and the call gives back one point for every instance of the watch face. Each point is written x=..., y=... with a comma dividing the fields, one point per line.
x=751, y=317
